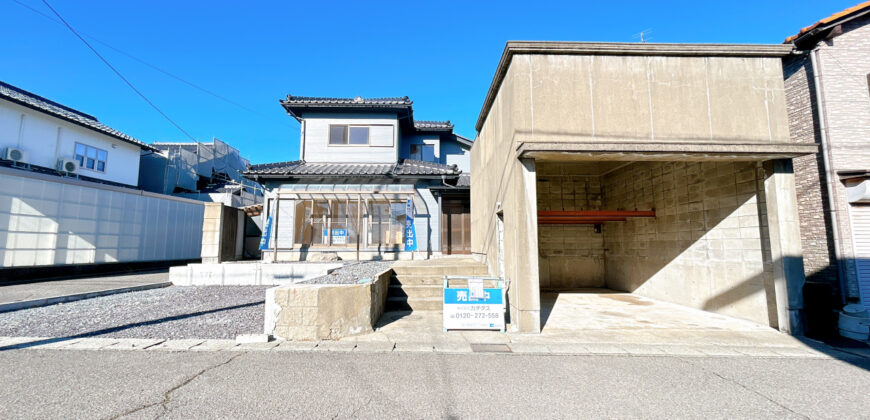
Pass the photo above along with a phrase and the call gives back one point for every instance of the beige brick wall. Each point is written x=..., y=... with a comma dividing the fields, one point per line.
x=703, y=249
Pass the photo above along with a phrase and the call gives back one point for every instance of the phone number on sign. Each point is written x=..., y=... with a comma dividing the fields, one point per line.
x=477, y=315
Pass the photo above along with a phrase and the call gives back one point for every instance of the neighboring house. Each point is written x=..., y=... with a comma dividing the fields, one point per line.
x=69, y=195
x=361, y=162
x=201, y=171
x=47, y=134
x=658, y=169
x=827, y=82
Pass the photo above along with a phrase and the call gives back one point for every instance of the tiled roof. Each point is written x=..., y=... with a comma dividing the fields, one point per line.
x=314, y=100
x=432, y=125
x=33, y=101
x=829, y=19
x=407, y=167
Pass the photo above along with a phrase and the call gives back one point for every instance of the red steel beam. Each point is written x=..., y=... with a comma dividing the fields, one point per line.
x=597, y=213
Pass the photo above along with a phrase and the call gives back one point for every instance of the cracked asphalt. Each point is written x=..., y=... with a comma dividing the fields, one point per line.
x=183, y=385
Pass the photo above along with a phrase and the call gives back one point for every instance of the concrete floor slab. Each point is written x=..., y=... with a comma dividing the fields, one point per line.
x=601, y=322
x=28, y=295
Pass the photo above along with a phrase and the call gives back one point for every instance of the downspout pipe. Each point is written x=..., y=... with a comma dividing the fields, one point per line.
x=829, y=170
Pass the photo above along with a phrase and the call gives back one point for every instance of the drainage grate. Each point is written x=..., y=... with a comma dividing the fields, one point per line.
x=490, y=348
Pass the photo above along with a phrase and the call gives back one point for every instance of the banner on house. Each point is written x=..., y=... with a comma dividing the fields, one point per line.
x=267, y=230
x=410, y=232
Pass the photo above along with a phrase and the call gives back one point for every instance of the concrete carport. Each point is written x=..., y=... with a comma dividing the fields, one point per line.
x=663, y=170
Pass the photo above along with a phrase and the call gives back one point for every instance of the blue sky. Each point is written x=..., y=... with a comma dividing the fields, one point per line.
x=442, y=54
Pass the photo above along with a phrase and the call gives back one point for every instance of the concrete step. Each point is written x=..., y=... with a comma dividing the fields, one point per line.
x=440, y=269
x=431, y=280
x=422, y=291
x=414, y=304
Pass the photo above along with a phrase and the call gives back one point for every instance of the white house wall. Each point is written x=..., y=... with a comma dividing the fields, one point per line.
x=383, y=147
x=45, y=139
x=46, y=221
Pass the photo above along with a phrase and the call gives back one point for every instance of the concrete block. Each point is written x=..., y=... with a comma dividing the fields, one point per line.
x=134, y=344
x=176, y=345
x=214, y=345
x=252, y=338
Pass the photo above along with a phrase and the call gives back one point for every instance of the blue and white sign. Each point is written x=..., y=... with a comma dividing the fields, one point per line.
x=464, y=312
x=410, y=231
x=267, y=230
x=339, y=236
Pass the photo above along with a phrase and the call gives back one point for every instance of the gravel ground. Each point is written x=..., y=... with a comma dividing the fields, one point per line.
x=169, y=313
x=352, y=272
x=175, y=312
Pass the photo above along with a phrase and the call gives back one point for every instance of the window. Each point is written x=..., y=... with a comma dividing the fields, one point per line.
x=359, y=135
x=345, y=134
x=424, y=152
x=91, y=158
x=334, y=222
x=337, y=134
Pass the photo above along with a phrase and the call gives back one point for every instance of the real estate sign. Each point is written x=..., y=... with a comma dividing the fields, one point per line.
x=464, y=311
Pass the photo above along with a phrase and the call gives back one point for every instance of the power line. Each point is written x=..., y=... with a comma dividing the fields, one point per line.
x=153, y=67
x=117, y=72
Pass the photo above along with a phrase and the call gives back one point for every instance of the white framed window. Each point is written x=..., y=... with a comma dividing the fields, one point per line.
x=91, y=158
x=340, y=134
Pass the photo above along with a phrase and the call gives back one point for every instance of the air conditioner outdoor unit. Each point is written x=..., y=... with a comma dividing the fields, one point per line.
x=15, y=155
x=67, y=166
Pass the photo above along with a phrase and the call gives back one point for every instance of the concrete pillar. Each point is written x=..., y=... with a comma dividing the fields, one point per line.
x=785, y=244
x=523, y=234
x=211, y=233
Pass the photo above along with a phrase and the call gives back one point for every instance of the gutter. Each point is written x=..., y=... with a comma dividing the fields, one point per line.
x=829, y=172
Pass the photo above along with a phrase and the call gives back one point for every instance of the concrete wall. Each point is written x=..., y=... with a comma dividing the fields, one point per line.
x=325, y=311
x=704, y=247
x=576, y=98
x=46, y=139
x=384, y=140
x=500, y=180
x=48, y=220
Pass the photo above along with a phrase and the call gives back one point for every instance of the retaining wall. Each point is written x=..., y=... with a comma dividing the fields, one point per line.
x=325, y=311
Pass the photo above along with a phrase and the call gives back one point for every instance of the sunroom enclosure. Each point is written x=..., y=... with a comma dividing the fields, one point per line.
x=356, y=221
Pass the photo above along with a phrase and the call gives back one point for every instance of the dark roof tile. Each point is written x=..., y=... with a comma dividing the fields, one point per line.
x=407, y=167
x=33, y=101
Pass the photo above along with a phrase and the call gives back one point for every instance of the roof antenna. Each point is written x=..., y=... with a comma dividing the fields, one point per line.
x=643, y=36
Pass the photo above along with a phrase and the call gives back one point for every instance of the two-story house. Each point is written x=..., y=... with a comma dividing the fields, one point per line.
x=827, y=82
x=42, y=135
x=371, y=183
x=69, y=195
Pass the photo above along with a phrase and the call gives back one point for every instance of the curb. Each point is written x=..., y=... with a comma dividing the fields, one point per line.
x=554, y=349
x=27, y=304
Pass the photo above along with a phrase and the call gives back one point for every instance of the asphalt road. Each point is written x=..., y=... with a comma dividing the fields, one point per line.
x=128, y=384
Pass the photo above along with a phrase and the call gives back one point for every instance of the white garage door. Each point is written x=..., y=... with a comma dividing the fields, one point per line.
x=860, y=215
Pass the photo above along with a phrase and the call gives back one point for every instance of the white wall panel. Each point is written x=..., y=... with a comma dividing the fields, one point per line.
x=45, y=139
x=55, y=222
